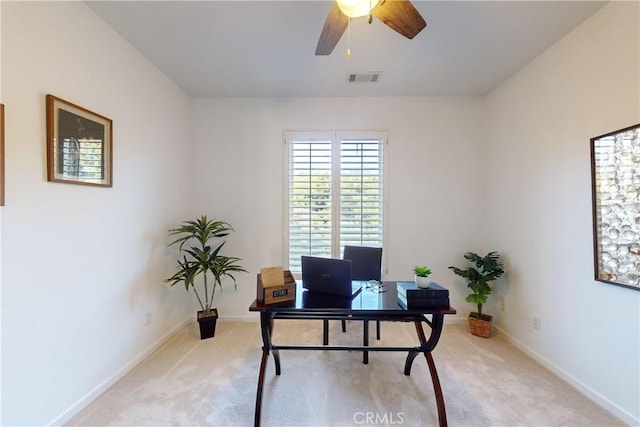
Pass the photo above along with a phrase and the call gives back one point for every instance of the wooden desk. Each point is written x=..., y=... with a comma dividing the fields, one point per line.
x=369, y=305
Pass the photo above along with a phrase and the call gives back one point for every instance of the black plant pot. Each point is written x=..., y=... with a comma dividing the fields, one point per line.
x=207, y=322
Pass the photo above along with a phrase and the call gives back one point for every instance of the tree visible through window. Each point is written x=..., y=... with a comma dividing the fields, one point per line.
x=334, y=193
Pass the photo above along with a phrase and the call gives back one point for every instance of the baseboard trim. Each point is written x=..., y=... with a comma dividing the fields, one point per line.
x=590, y=393
x=104, y=386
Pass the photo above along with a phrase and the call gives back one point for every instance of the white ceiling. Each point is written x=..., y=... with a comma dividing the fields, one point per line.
x=266, y=48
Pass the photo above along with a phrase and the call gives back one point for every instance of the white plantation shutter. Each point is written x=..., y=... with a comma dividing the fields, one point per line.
x=361, y=208
x=310, y=207
x=333, y=193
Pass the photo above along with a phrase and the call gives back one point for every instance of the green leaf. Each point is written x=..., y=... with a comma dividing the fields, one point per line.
x=421, y=271
x=478, y=274
x=198, y=256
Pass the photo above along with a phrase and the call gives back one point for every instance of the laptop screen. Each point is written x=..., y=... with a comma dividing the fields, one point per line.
x=327, y=275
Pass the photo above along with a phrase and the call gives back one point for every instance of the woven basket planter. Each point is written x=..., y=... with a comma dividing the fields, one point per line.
x=480, y=328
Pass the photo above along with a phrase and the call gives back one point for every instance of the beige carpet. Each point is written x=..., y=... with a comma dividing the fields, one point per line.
x=486, y=382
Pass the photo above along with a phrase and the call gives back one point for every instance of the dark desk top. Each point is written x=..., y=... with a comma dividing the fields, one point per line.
x=383, y=299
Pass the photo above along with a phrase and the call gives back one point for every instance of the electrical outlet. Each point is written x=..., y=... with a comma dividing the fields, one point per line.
x=536, y=323
x=147, y=318
x=502, y=304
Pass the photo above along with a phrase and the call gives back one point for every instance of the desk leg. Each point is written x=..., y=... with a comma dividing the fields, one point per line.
x=409, y=362
x=442, y=412
x=426, y=347
x=365, y=341
x=266, y=327
x=325, y=332
x=263, y=366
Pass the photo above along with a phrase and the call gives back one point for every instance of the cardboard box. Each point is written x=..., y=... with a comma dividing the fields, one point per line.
x=275, y=293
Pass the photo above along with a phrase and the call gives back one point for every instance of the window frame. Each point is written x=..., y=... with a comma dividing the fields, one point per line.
x=335, y=136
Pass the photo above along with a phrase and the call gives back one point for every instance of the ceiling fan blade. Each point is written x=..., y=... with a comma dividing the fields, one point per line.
x=332, y=30
x=401, y=16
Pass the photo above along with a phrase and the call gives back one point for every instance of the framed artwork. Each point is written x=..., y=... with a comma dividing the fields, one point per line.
x=1, y=154
x=79, y=145
x=615, y=176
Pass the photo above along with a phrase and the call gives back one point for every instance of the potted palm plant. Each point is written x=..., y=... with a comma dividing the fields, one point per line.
x=422, y=273
x=479, y=273
x=201, y=260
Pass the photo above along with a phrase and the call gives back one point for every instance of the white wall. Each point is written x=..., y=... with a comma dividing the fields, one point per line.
x=433, y=177
x=538, y=206
x=73, y=313
x=82, y=265
x=1, y=101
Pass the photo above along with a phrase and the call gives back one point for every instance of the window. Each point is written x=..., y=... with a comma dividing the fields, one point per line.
x=334, y=193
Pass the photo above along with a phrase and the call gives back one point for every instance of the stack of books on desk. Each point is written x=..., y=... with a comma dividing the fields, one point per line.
x=411, y=296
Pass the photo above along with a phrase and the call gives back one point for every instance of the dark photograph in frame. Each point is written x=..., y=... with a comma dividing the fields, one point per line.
x=615, y=176
x=79, y=144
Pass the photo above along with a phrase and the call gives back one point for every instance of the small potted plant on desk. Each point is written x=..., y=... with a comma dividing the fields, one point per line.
x=478, y=275
x=422, y=273
x=202, y=259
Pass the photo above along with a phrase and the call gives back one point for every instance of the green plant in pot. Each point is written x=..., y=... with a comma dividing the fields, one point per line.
x=479, y=272
x=422, y=273
x=201, y=261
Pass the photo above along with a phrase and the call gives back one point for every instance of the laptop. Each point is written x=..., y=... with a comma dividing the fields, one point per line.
x=329, y=276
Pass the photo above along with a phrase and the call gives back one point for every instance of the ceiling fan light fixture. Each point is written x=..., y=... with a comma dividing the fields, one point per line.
x=399, y=15
x=356, y=8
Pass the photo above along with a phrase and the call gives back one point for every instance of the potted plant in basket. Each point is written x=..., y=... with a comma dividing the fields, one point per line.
x=478, y=275
x=422, y=275
x=201, y=259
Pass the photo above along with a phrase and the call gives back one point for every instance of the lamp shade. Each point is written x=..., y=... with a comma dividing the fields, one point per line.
x=356, y=8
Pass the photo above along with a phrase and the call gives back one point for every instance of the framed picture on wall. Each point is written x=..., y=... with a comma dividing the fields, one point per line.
x=1, y=154
x=615, y=176
x=79, y=145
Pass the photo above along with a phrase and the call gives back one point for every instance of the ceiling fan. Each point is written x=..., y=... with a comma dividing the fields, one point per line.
x=399, y=15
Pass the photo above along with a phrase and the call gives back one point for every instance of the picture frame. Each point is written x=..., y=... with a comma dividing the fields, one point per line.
x=79, y=144
x=1, y=154
x=615, y=179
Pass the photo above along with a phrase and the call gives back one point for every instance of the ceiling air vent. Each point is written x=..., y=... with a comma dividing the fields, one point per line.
x=372, y=77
